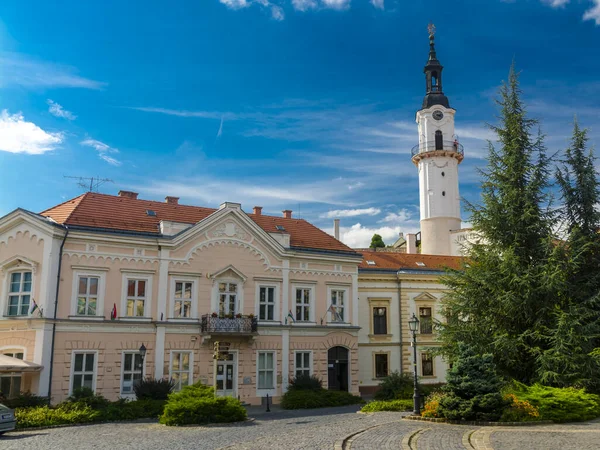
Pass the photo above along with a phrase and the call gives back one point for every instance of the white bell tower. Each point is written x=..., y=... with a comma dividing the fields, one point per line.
x=437, y=157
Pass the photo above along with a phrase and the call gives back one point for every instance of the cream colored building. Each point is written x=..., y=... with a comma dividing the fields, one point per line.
x=281, y=292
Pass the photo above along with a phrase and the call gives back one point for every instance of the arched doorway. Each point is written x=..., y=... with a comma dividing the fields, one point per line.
x=337, y=372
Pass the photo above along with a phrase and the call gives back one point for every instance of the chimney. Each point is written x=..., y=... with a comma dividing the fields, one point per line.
x=287, y=213
x=336, y=228
x=172, y=200
x=257, y=210
x=411, y=243
x=128, y=194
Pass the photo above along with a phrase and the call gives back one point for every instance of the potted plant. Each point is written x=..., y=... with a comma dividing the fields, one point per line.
x=238, y=316
x=230, y=316
x=251, y=316
x=214, y=314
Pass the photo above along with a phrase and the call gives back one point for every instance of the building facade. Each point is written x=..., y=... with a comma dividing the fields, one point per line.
x=85, y=284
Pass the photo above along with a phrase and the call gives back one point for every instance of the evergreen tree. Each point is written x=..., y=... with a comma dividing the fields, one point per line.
x=575, y=331
x=503, y=297
x=377, y=242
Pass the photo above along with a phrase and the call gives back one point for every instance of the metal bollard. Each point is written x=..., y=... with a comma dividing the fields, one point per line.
x=268, y=409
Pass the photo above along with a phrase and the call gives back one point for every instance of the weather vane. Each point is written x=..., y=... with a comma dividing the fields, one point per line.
x=431, y=29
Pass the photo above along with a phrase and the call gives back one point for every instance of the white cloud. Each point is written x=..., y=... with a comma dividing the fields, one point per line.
x=377, y=4
x=340, y=213
x=304, y=5
x=235, y=4
x=593, y=13
x=277, y=12
x=19, y=136
x=220, y=132
x=401, y=216
x=556, y=3
x=359, y=236
x=336, y=4
x=23, y=71
x=57, y=110
x=185, y=113
x=103, y=150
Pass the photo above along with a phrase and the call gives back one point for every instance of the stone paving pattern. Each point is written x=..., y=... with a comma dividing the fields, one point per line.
x=314, y=430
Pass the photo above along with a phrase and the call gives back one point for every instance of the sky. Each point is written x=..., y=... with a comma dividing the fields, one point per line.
x=306, y=105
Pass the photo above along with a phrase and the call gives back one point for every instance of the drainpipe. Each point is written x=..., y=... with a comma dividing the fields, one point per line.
x=60, y=253
x=400, y=316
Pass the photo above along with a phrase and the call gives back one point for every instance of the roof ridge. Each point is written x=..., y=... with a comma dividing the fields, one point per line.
x=78, y=199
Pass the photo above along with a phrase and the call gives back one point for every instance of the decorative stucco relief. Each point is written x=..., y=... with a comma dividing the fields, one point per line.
x=321, y=272
x=20, y=233
x=99, y=258
x=228, y=229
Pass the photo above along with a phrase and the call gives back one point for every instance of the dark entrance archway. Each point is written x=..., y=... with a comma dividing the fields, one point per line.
x=337, y=372
x=439, y=140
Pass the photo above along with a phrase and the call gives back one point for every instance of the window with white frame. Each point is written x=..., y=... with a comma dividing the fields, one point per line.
x=266, y=303
x=302, y=367
x=181, y=369
x=10, y=383
x=13, y=354
x=337, y=305
x=227, y=298
x=136, y=297
x=182, y=299
x=19, y=293
x=87, y=295
x=303, y=304
x=266, y=370
x=132, y=371
x=83, y=371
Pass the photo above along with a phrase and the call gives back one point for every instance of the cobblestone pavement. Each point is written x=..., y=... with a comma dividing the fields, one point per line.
x=312, y=429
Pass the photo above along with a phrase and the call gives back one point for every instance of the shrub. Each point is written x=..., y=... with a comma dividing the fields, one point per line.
x=519, y=410
x=153, y=389
x=25, y=400
x=389, y=405
x=432, y=404
x=305, y=382
x=395, y=386
x=558, y=404
x=127, y=410
x=43, y=416
x=197, y=404
x=307, y=399
x=88, y=397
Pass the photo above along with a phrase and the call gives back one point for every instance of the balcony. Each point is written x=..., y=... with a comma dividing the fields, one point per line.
x=239, y=326
x=451, y=148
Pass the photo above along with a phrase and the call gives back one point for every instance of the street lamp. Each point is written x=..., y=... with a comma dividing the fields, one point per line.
x=143, y=355
x=413, y=325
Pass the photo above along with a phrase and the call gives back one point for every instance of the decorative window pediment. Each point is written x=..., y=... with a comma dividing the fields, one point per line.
x=229, y=271
x=425, y=297
x=18, y=261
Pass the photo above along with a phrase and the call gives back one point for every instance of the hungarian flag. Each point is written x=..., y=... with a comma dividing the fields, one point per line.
x=113, y=313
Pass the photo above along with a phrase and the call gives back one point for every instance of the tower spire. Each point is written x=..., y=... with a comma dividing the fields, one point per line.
x=433, y=76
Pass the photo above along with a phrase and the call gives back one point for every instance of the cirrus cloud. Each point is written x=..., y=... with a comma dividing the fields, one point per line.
x=339, y=213
x=58, y=111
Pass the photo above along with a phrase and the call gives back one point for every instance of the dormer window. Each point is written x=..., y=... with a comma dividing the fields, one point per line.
x=371, y=263
x=280, y=227
x=150, y=213
x=420, y=264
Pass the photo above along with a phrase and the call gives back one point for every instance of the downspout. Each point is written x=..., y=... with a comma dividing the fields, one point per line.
x=400, y=317
x=60, y=253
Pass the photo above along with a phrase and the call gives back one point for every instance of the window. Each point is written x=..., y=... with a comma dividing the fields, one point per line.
x=379, y=320
x=19, y=293
x=84, y=369
x=132, y=371
x=426, y=365
x=337, y=305
x=381, y=365
x=425, y=320
x=266, y=303
x=136, y=297
x=227, y=298
x=371, y=263
x=302, y=304
x=182, y=300
x=181, y=369
x=10, y=385
x=87, y=295
x=18, y=355
x=302, y=363
x=266, y=370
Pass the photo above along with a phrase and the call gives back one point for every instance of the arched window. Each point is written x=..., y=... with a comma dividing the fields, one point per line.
x=434, y=81
x=439, y=140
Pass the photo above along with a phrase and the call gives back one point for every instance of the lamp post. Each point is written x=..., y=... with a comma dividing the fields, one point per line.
x=143, y=355
x=413, y=325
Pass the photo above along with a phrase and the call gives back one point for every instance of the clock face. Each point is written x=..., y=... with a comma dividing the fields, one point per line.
x=438, y=115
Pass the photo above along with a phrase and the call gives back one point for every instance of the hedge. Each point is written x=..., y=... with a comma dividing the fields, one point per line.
x=307, y=399
x=389, y=405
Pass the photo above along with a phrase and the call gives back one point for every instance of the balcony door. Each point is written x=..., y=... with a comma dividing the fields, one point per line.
x=226, y=377
x=337, y=369
x=228, y=298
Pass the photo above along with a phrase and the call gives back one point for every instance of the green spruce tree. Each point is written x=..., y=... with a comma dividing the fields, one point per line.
x=503, y=297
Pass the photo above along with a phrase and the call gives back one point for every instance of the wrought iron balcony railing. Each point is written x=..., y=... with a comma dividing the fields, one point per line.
x=444, y=146
x=225, y=325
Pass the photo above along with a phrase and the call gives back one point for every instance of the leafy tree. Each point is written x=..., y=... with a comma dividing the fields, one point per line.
x=504, y=295
x=376, y=241
x=473, y=388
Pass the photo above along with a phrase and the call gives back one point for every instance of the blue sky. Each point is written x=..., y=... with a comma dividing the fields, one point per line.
x=289, y=104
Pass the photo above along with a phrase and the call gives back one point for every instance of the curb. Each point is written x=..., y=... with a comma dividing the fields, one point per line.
x=478, y=423
x=342, y=444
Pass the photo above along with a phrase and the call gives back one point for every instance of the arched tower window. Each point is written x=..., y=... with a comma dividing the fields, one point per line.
x=439, y=140
x=434, y=81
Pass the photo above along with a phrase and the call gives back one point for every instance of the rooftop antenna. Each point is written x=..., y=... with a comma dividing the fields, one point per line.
x=91, y=184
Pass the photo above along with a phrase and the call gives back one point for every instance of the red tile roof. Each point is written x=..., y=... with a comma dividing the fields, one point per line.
x=397, y=261
x=128, y=214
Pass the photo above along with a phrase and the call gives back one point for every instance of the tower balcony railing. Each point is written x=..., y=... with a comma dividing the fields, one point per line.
x=431, y=146
x=228, y=324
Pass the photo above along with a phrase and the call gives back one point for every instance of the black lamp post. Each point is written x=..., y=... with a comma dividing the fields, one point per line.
x=413, y=325
x=143, y=355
